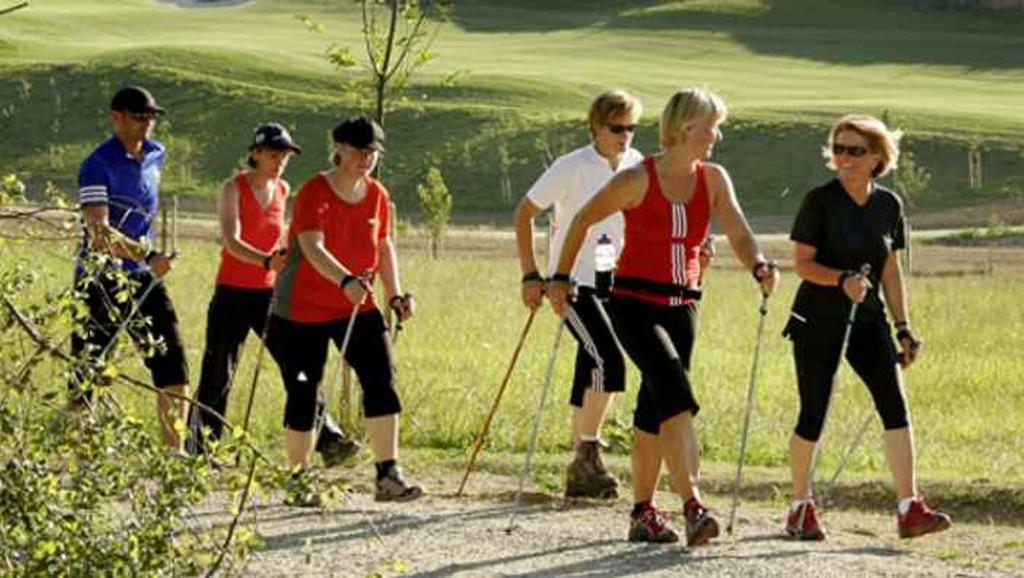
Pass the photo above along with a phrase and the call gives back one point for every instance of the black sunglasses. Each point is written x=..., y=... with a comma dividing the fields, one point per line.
x=144, y=116
x=850, y=150
x=621, y=128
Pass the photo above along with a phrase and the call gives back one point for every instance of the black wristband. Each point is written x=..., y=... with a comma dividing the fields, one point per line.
x=757, y=267
x=532, y=276
x=900, y=325
x=843, y=276
x=560, y=278
x=266, y=262
x=348, y=279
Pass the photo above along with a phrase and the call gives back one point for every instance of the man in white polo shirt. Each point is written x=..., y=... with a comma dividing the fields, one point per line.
x=567, y=185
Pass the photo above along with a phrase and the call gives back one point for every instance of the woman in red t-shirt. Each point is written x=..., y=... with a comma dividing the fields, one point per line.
x=339, y=243
x=667, y=202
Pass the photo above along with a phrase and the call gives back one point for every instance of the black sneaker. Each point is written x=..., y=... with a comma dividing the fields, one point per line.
x=337, y=450
x=302, y=490
x=394, y=488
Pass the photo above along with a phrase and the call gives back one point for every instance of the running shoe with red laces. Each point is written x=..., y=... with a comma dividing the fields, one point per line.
x=701, y=526
x=810, y=529
x=920, y=520
x=651, y=526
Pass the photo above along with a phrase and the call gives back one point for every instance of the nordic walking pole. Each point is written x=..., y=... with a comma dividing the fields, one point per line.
x=763, y=311
x=865, y=270
x=482, y=436
x=849, y=453
x=536, y=427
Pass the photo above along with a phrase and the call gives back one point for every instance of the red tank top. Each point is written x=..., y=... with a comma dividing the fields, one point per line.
x=663, y=239
x=262, y=229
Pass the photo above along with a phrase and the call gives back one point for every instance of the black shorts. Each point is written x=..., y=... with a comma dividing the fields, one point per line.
x=300, y=350
x=659, y=339
x=167, y=362
x=599, y=360
x=872, y=354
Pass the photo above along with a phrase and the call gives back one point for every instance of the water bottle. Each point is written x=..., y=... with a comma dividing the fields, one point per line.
x=604, y=266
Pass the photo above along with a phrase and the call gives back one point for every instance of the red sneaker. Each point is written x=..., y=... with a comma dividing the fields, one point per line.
x=651, y=526
x=701, y=526
x=810, y=528
x=920, y=520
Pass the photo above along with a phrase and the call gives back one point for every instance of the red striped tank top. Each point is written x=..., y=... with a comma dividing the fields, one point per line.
x=262, y=229
x=663, y=239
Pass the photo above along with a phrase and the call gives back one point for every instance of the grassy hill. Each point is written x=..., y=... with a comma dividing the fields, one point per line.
x=786, y=67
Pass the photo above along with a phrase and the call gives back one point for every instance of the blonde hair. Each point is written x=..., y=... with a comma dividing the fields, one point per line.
x=687, y=107
x=612, y=103
x=881, y=141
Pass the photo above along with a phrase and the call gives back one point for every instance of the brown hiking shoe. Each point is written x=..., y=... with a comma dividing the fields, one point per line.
x=394, y=488
x=701, y=526
x=587, y=476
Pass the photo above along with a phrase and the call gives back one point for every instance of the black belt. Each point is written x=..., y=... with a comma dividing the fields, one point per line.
x=656, y=288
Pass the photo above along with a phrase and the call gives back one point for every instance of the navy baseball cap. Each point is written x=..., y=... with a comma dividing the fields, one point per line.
x=361, y=132
x=135, y=99
x=273, y=135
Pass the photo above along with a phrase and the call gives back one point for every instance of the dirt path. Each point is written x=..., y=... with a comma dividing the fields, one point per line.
x=440, y=535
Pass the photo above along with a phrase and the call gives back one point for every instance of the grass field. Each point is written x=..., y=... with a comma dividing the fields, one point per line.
x=787, y=67
x=965, y=396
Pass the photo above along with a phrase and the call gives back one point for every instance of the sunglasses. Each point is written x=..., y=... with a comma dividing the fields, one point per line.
x=621, y=128
x=144, y=116
x=849, y=150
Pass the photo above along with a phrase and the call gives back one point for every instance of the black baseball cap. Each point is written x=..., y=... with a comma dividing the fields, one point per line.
x=361, y=132
x=274, y=135
x=135, y=99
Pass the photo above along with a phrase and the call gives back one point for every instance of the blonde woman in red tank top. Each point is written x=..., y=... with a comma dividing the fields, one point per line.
x=667, y=202
x=251, y=212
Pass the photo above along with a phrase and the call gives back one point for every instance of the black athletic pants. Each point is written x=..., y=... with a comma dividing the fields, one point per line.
x=872, y=354
x=659, y=339
x=599, y=360
x=166, y=361
x=233, y=313
x=302, y=353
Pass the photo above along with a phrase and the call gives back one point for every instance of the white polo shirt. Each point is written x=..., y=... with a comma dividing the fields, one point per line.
x=568, y=184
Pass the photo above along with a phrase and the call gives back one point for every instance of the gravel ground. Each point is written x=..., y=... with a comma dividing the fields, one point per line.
x=440, y=535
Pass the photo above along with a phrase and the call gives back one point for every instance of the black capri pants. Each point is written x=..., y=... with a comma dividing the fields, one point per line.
x=872, y=354
x=232, y=314
x=301, y=352
x=659, y=339
x=166, y=363
x=599, y=360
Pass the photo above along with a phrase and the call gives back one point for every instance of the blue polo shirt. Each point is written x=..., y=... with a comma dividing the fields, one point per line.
x=130, y=188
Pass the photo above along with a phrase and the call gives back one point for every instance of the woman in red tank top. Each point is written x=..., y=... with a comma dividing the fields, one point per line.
x=250, y=209
x=667, y=202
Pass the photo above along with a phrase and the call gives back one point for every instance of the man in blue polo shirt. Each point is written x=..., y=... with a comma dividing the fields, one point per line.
x=119, y=195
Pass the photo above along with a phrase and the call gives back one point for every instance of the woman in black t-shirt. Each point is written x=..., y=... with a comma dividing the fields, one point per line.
x=850, y=221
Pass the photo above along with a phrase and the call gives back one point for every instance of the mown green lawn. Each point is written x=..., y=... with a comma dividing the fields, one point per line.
x=786, y=67
x=965, y=396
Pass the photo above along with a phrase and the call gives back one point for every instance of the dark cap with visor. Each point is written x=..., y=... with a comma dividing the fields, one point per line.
x=135, y=99
x=361, y=132
x=274, y=135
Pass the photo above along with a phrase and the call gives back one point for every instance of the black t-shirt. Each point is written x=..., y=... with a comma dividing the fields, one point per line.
x=847, y=235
